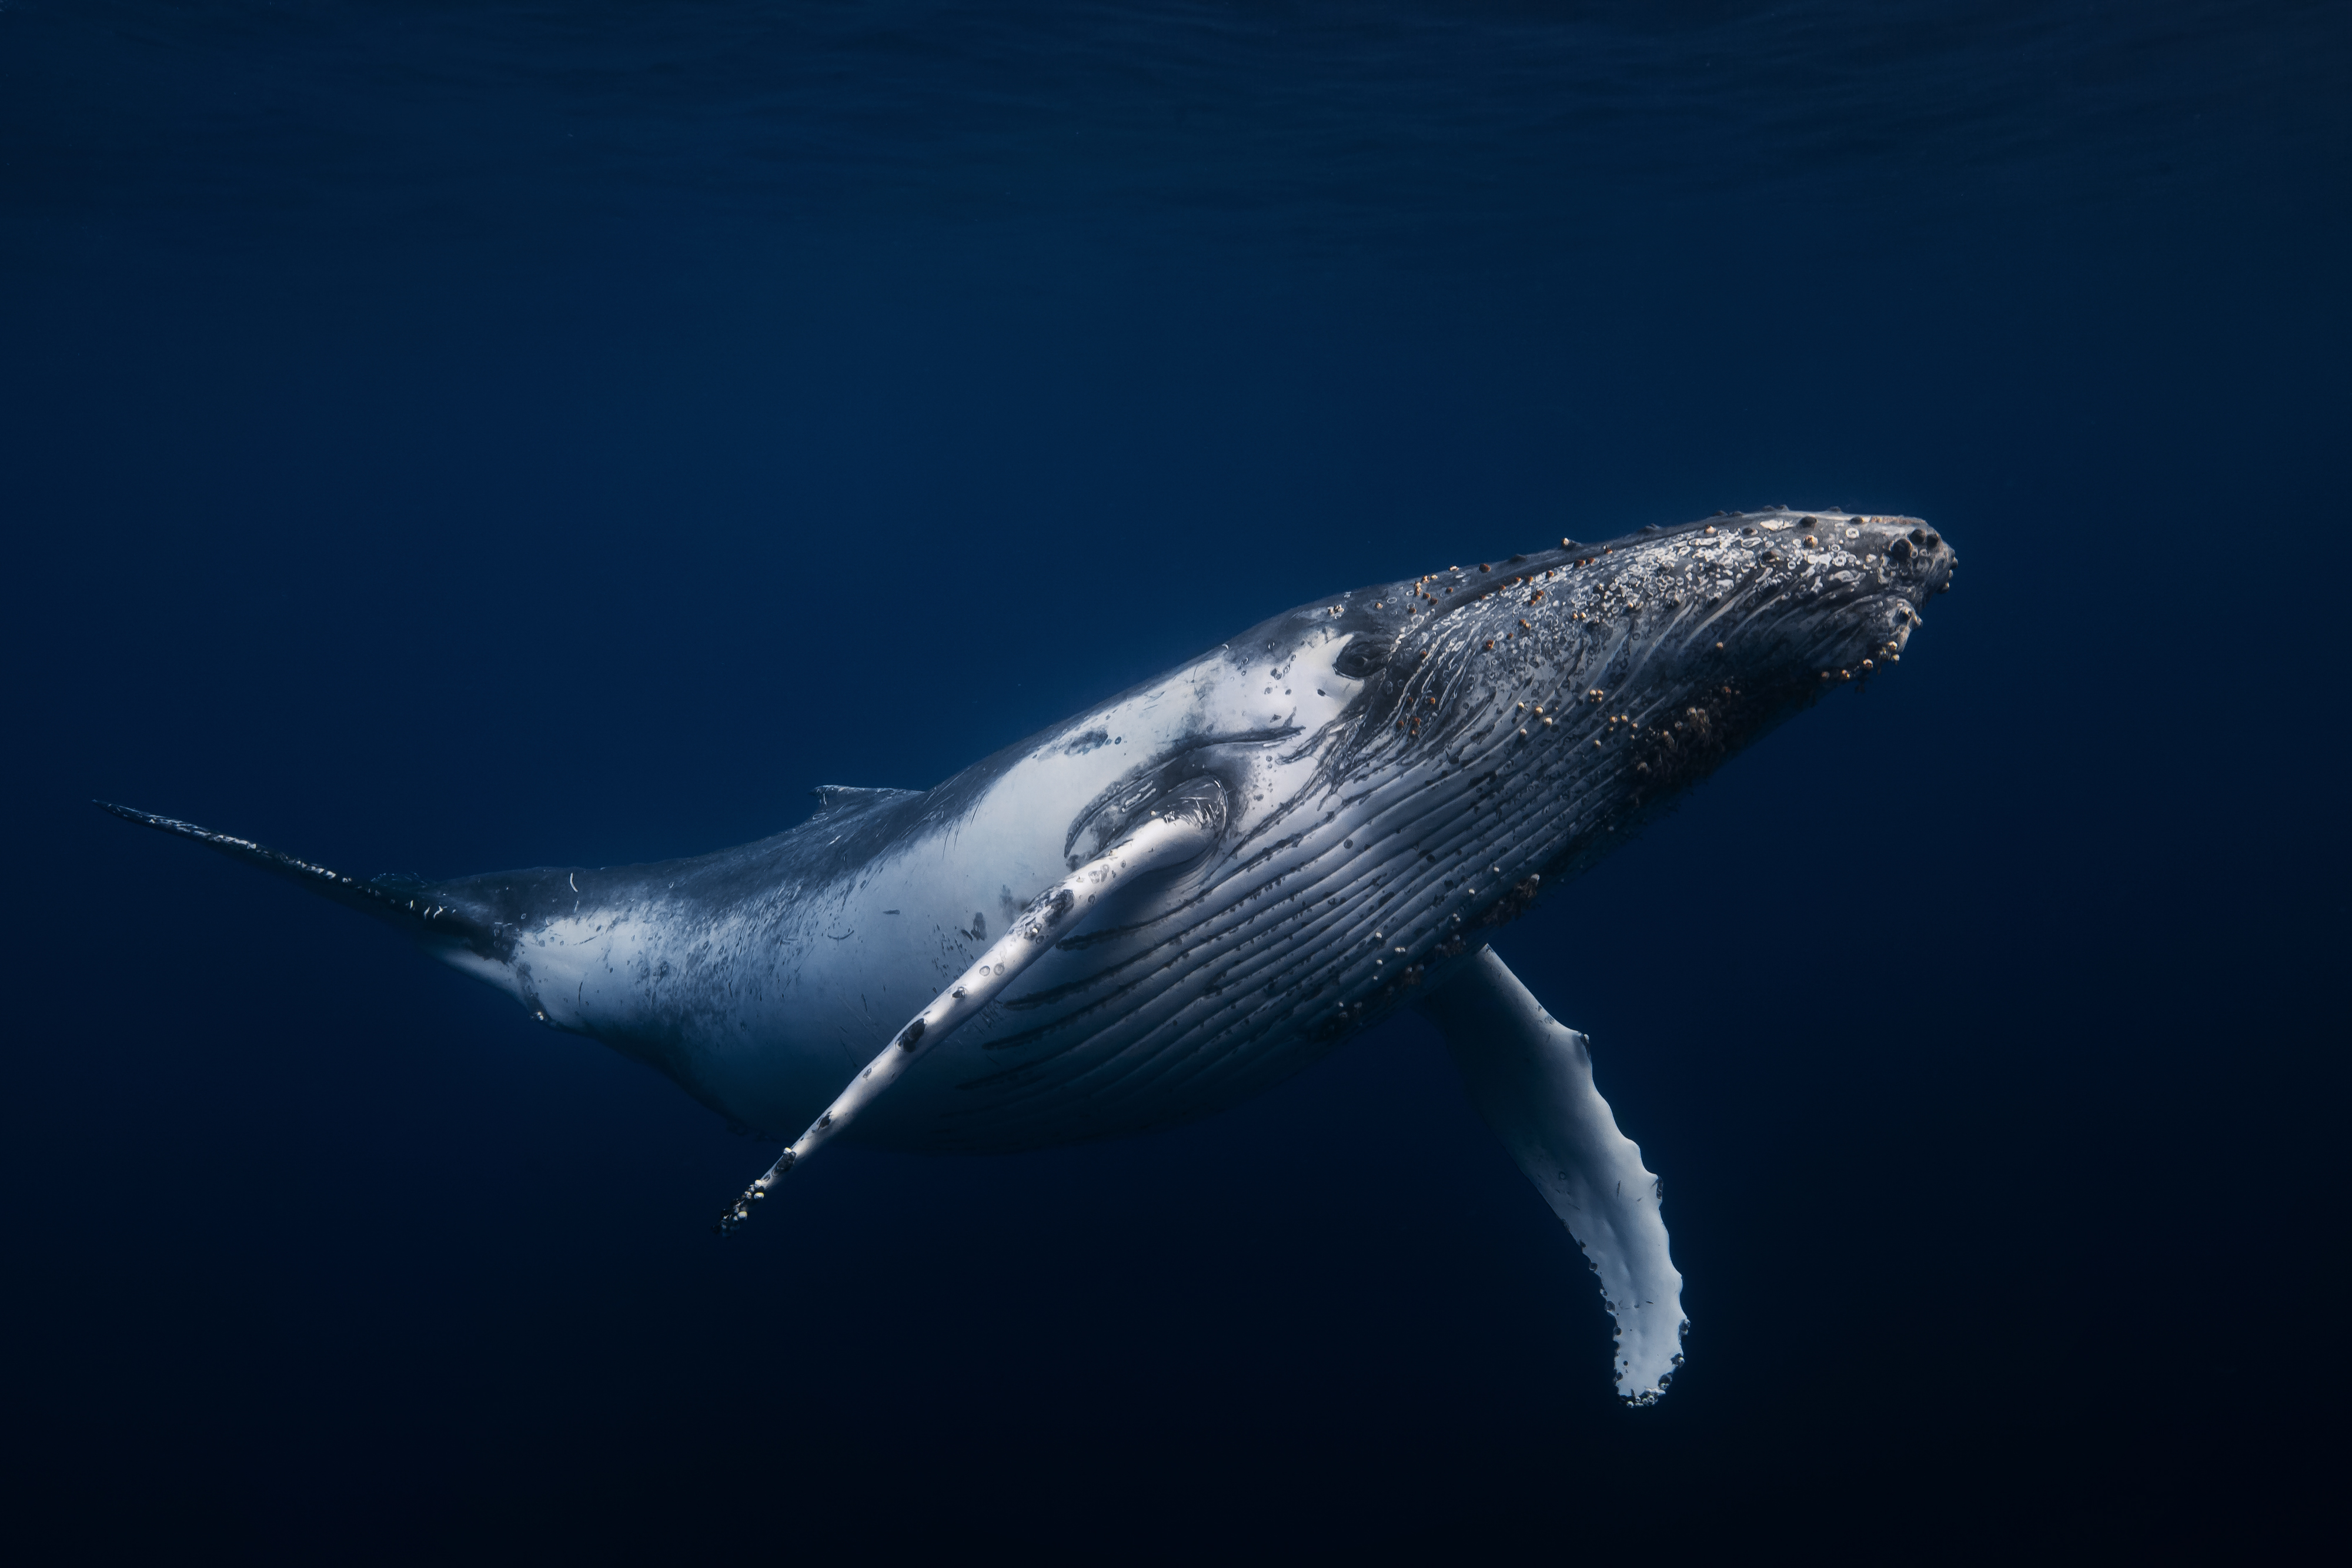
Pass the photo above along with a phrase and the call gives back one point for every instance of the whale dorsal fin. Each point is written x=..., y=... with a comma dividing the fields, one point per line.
x=1531, y=1078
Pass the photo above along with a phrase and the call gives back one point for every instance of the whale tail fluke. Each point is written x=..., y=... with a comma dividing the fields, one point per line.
x=406, y=902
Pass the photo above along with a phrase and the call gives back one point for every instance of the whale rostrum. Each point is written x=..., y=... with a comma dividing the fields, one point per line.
x=1200, y=885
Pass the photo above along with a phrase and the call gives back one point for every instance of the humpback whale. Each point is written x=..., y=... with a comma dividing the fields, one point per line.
x=1201, y=885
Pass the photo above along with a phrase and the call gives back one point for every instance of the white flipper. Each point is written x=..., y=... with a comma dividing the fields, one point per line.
x=1182, y=828
x=1531, y=1078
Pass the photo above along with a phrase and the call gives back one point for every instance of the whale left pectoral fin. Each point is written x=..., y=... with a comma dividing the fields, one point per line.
x=1180, y=828
x=1531, y=1078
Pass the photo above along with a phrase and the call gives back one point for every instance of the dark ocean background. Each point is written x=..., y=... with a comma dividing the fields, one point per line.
x=440, y=437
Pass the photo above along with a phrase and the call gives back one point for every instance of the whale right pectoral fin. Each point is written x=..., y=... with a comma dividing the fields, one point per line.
x=1531, y=1078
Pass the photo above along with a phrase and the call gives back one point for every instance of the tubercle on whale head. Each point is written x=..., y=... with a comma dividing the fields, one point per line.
x=1772, y=603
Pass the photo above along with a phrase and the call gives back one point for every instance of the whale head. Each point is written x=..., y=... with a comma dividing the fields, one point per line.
x=1523, y=715
x=1721, y=627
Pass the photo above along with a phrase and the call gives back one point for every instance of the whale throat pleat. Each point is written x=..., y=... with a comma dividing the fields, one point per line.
x=1531, y=1079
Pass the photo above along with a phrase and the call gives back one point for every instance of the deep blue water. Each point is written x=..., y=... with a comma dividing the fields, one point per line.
x=442, y=438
